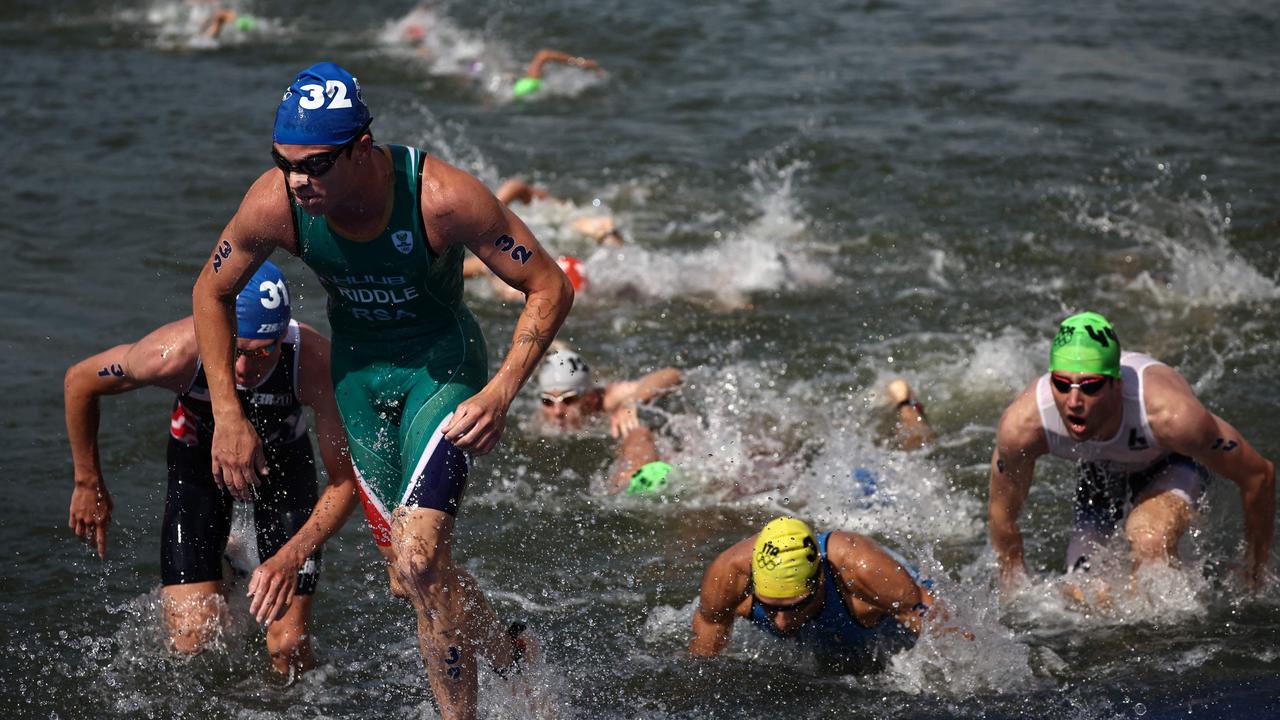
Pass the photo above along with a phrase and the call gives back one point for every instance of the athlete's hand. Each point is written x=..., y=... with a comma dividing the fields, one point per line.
x=272, y=587
x=238, y=460
x=91, y=514
x=623, y=420
x=478, y=422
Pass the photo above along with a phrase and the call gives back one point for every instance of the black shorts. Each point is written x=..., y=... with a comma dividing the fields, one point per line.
x=197, y=515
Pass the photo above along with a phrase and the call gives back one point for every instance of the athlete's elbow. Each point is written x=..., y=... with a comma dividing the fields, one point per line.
x=73, y=386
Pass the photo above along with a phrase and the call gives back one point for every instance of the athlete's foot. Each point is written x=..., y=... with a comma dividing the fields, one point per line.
x=1078, y=594
x=898, y=392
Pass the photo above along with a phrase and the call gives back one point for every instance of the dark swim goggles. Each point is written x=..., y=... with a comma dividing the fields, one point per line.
x=258, y=353
x=1088, y=386
x=320, y=163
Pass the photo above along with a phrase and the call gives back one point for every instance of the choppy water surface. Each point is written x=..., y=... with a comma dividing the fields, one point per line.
x=819, y=198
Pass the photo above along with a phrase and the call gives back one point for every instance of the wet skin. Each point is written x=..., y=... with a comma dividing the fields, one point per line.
x=1090, y=417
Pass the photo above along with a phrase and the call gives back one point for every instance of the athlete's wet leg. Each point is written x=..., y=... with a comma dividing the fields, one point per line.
x=288, y=641
x=1155, y=525
x=194, y=613
x=455, y=621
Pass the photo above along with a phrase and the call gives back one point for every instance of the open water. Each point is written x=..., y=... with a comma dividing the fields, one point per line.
x=819, y=197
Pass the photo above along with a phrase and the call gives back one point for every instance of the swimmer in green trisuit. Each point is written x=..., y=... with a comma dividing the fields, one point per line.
x=532, y=80
x=385, y=228
x=569, y=399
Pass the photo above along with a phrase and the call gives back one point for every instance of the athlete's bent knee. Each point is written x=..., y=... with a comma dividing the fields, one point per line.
x=289, y=647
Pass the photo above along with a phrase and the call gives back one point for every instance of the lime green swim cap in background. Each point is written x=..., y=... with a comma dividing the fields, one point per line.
x=526, y=86
x=650, y=479
x=245, y=23
x=1086, y=343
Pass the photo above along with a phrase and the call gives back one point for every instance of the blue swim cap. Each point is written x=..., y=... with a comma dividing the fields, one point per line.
x=262, y=307
x=323, y=106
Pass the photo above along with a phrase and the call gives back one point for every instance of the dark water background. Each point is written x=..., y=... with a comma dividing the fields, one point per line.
x=820, y=197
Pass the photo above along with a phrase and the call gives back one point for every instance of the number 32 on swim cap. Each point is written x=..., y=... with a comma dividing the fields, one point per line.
x=322, y=106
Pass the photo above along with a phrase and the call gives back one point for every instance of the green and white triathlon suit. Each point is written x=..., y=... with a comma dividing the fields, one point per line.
x=406, y=351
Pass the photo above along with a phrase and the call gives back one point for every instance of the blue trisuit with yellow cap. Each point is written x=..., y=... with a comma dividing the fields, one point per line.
x=835, y=631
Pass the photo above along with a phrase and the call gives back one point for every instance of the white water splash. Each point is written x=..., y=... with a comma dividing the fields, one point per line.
x=1181, y=255
x=441, y=47
x=749, y=442
x=769, y=253
x=182, y=25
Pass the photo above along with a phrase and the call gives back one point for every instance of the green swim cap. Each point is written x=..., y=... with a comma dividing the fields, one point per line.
x=526, y=86
x=1086, y=343
x=245, y=23
x=650, y=479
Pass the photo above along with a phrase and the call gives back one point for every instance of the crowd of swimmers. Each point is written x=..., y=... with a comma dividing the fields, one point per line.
x=403, y=398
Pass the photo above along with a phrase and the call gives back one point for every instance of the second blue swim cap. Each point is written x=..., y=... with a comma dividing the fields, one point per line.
x=323, y=106
x=262, y=307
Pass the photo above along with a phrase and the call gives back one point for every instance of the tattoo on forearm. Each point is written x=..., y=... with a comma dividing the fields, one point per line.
x=1225, y=445
x=113, y=369
x=536, y=341
x=541, y=309
x=220, y=253
x=1000, y=464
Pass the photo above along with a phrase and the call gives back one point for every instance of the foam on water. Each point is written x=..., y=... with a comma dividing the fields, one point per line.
x=947, y=662
x=1112, y=594
x=181, y=25
x=769, y=252
x=760, y=438
x=1180, y=254
x=429, y=37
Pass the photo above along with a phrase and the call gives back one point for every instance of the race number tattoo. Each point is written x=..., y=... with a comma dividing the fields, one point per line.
x=1000, y=464
x=113, y=369
x=519, y=253
x=454, y=655
x=220, y=253
x=1225, y=445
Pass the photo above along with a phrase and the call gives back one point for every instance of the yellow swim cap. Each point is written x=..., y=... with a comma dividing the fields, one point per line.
x=784, y=561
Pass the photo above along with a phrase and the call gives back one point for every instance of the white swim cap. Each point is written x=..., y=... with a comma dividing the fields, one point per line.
x=562, y=371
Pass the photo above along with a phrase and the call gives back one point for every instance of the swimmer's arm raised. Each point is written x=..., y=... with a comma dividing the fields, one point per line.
x=1019, y=441
x=655, y=384
x=262, y=223
x=1180, y=422
x=547, y=55
x=165, y=358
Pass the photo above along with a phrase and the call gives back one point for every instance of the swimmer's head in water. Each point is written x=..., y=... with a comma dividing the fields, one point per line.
x=784, y=560
x=525, y=87
x=1086, y=343
x=246, y=23
x=564, y=371
x=651, y=479
x=262, y=307
x=322, y=106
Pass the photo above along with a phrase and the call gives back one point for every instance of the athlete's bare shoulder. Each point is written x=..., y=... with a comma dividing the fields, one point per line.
x=1020, y=425
x=265, y=216
x=454, y=199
